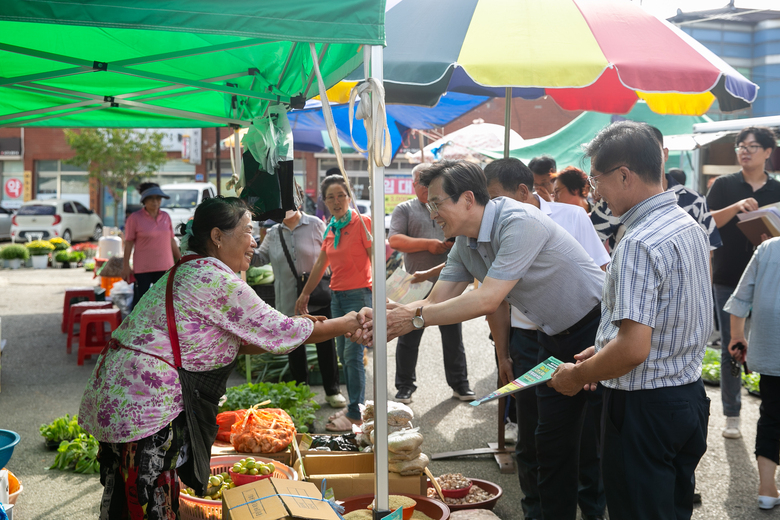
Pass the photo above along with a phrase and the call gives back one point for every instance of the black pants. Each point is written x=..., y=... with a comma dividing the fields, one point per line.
x=143, y=281
x=768, y=431
x=453, y=352
x=326, y=358
x=653, y=441
x=561, y=438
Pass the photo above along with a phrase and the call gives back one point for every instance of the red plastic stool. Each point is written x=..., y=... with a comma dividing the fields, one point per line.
x=76, y=310
x=92, y=337
x=74, y=292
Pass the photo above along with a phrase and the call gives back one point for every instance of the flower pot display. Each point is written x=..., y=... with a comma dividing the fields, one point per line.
x=13, y=255
x=60, y=244
x=40, y=261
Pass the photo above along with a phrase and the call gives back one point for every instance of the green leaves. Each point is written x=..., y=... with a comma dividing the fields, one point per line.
x=296, y=400
x=80, y=455
x=62, y=429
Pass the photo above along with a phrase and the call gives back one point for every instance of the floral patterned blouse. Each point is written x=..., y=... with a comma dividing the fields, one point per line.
x=132, y=395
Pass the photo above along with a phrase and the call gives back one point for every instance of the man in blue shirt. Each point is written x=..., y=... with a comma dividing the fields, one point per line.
x=656, y=317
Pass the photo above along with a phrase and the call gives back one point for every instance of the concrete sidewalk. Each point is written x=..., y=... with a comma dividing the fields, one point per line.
x=40, y=382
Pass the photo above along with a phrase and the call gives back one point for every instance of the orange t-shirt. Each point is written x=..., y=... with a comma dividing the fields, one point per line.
x=350, y=264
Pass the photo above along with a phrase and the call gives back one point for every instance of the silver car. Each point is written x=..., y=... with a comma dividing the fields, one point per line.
x=5, y=222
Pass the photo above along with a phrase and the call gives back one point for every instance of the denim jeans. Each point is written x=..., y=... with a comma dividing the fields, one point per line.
x=351, y=354
x=730, y=386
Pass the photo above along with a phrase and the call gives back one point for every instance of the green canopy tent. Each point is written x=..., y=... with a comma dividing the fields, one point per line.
x=193, y=63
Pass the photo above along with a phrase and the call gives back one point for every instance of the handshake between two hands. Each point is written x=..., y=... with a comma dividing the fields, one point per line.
x=399, y=322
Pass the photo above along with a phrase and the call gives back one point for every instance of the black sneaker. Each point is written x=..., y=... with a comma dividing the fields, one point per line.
x=404, y=395
x=464, y=394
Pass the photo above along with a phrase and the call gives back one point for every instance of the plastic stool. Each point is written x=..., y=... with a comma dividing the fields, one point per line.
x=92, y=337
x=76, y=310
x=74, y=292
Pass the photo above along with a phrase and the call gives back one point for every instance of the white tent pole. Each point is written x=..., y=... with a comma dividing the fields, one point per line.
x=382, y=481
x=507, y=120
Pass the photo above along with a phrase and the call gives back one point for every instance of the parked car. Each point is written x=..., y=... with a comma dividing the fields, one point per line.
x=51, y=218
x=185, y=197
x=5, y=222
x=364, y=207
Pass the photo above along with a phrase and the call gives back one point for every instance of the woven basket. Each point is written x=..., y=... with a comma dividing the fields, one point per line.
x=194, y=508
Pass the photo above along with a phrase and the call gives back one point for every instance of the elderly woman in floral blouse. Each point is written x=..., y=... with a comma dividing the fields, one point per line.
x=159, y=366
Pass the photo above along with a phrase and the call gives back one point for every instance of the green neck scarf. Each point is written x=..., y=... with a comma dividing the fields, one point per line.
x=337, y=226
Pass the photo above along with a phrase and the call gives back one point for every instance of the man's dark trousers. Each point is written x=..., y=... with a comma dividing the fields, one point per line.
x=653, y=441
x=559, y=434
x=454, y=358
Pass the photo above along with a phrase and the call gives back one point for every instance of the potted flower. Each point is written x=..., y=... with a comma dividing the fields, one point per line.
x=90, y=250
x=39, y=250
x=14, y=254
x=60, y=245
x=61, y=259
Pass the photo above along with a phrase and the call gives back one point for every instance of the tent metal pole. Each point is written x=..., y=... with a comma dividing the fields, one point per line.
x=47, y=110
x=62, y=73
x=507, y=120
x=312, y=75
x=134, y=105
x=382, y=480
x=52, y=116
x=196, y=51
x=190, y=90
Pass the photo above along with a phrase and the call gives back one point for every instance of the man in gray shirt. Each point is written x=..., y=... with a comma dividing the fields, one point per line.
x=416, y=235
x=525, y=259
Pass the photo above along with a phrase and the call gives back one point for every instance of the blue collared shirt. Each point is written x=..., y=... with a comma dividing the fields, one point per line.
x=558, y=282
x=660, y=277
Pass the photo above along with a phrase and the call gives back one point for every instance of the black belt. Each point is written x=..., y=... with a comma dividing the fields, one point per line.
x=528, y=333
x=594, y=313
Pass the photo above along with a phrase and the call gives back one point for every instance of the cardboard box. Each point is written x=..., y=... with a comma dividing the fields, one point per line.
x=350, y=474
x=275, y=503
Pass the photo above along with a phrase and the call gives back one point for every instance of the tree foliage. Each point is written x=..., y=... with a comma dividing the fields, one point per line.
x=117, y=157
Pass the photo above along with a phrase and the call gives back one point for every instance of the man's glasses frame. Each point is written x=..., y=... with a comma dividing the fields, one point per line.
x=593, y=179
x=433, y=207
x=751, y=148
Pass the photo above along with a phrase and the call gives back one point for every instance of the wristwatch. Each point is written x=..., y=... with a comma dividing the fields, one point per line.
x=418, y=320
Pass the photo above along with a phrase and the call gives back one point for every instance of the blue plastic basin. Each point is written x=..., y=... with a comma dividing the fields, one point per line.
x=8, y=440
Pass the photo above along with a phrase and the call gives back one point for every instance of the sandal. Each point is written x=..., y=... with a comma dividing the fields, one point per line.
x=338, y=414
x=340, y=424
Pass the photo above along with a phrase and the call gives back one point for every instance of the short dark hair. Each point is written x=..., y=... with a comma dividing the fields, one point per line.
x=458, y=177
x=329, y=181
x=510, y=172
x=224, y=213
x=543, y=165
x=629, y=143
x=657, y=134
x=146, y=185
x=574, y=180
x=765, y=136
x=678, y=175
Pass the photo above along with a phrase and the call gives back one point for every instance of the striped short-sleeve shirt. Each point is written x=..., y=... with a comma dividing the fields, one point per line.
x=660, y=277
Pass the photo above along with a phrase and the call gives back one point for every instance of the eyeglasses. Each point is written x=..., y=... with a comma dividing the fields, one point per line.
x=433, y=207
x=592, y=180
x=339, y=197
x=752, y=148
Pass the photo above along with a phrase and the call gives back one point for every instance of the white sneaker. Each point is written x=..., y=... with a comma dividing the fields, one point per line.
x=765, y=502
x=510, y=431
x=336, y=401
x=731, y=431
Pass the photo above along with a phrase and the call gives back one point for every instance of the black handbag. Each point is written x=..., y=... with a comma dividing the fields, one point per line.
x=320, y=297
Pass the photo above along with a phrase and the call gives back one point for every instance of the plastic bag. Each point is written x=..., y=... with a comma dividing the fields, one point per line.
x=270, y=138
x=412, y=467
x=269, y=430
x=122, y=296
x=404, y=441
x=398, y=414
x=345, y=442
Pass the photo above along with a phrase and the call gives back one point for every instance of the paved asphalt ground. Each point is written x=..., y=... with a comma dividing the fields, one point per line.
x=40, y=381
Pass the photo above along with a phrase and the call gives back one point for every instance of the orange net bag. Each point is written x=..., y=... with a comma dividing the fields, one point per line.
x=269, y=430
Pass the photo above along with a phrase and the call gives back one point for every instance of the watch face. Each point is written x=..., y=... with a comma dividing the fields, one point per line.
x=418, y=322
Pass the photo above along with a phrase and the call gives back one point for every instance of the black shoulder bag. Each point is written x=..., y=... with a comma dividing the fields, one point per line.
x=320, y=297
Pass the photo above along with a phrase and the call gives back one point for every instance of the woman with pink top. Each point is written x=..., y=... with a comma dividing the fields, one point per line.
x=153, y=396
x=149, y=234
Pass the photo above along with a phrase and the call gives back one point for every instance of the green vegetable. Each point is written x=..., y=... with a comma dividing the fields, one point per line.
x=275, y=369
x=710, y=369
x=750, y=381
x=79, y=455
x=260, y=275
x=296, y=400
x=62, y=429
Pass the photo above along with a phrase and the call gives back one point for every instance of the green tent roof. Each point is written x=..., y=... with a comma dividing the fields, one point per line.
x=172, y=63
x=565, y=145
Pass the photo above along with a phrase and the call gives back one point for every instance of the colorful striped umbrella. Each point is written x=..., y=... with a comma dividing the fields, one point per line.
x=600, y=55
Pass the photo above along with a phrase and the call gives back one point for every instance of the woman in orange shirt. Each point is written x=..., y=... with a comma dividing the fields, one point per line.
x=347, y=250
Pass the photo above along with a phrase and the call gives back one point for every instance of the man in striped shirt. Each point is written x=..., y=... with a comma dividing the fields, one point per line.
x=656, y=316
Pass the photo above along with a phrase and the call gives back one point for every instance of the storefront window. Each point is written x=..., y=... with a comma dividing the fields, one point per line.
x=12, y=182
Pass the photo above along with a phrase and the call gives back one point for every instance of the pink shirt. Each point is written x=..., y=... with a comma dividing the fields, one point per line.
x=152, y=236
x=134, y=395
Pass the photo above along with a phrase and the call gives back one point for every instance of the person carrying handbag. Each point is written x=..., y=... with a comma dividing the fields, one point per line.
x=291, y=248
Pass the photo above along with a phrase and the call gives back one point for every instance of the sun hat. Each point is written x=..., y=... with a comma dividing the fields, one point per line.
x=154, y=190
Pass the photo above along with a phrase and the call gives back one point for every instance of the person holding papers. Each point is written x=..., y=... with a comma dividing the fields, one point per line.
x=740, y=192
x=416, y=235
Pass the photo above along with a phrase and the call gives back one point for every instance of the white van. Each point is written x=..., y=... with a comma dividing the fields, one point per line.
x=184, y=198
